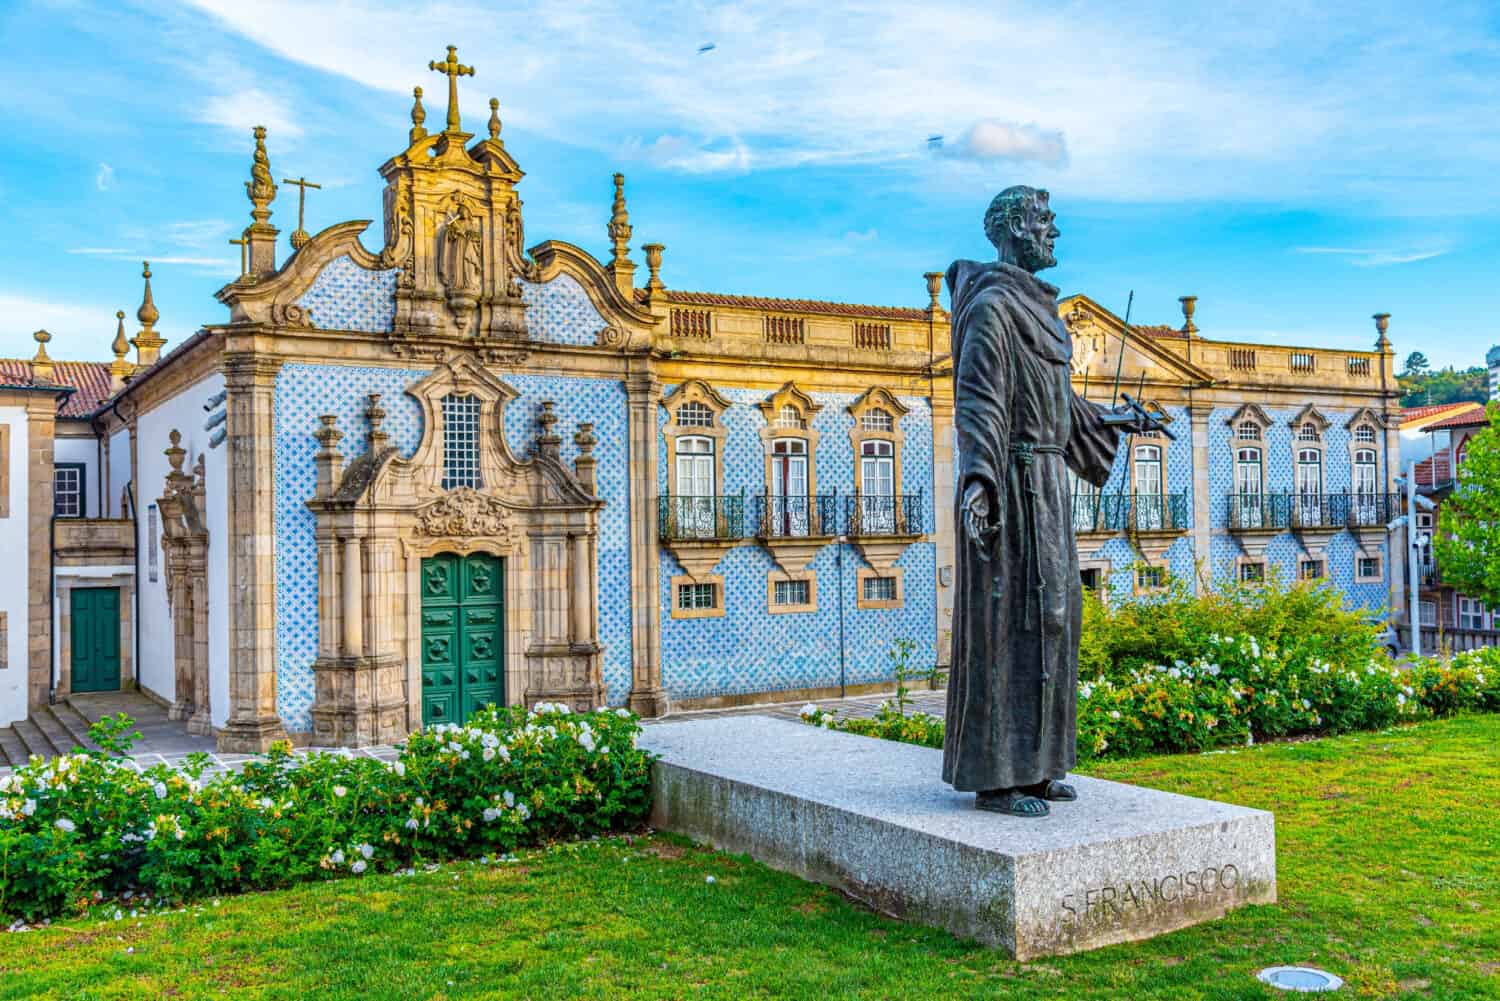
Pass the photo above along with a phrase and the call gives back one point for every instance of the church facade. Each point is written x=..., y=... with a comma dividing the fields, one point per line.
x=399, y=483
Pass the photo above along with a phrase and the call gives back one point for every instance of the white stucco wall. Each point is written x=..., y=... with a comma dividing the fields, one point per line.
x=119, y=472
x=13, y=544
x=183, y=412
x=86, y=452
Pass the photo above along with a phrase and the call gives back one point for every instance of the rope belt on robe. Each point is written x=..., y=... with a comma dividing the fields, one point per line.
x=1024, y=453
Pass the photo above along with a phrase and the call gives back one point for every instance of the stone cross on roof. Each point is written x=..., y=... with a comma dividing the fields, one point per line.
x=454, y=70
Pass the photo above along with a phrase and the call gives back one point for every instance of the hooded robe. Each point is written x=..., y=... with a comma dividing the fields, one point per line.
x=1013, y=684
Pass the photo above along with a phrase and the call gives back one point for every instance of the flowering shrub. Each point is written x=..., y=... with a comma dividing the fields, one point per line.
x=1238, y=690
x=84, y=826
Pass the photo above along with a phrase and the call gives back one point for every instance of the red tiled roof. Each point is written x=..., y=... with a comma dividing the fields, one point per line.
x=1156, y=329
x=89, y=379
x=1464, y=419
x=793, y=305
x=1428, y=410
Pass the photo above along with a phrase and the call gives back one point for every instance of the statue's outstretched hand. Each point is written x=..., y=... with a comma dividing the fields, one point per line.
x=976, y=516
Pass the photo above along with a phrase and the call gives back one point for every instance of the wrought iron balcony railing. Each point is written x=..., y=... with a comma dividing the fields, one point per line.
x=1100, y=512
x=1300, y=510
x=876, y=514
x=703, y=518
x=1159, y=512
x=779, y=517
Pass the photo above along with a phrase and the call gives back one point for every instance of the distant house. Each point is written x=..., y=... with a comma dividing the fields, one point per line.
x=1448, y=617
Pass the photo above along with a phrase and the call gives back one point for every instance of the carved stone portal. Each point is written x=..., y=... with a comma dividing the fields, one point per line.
x=185, y=543
x=381, y=515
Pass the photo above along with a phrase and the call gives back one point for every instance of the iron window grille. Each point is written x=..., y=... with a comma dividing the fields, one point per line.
x=460, y=442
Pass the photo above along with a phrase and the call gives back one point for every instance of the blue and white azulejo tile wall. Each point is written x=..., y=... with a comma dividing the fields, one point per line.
x=749, y=649
x=303, y=392
x=345, y=296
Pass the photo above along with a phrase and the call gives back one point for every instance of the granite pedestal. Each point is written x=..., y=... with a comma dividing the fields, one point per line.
x=873, y=818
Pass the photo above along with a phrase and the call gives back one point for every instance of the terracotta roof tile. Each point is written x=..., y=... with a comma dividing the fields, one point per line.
x=1156, y=329
x=793, y=305
x=89, y=379
x=1464, y=419
x=1428, y=410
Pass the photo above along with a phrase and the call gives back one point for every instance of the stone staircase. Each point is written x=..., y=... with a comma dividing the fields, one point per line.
x=47, y=732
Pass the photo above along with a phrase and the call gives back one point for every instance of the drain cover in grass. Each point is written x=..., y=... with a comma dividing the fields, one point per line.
x=1299, y=978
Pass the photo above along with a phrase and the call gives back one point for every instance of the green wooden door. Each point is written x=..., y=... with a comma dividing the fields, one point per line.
x=96, y=639
x=463, y=636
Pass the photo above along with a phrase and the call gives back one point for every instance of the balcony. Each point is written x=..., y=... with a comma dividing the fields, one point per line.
x=816, y=515
x=1107, y=514
x=875, y=515
x=1314, y=517
x=93, y=541
x=702, y=519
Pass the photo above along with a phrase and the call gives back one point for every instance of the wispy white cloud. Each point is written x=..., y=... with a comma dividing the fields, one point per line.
x=989, y=140
x=1366, y=257
x=1270, y=100
x=243, y=110
x=78, y=330
x=104, y=177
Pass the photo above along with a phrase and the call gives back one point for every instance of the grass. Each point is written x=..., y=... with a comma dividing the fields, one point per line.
x=1389, y=872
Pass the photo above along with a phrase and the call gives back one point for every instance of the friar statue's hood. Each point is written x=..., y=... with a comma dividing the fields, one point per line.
x=971, y=282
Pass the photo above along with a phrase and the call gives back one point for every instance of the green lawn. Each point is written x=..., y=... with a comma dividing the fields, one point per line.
x=1388, y=849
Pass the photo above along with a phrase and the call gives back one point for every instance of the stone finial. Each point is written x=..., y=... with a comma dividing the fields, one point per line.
x=200, y=480
x=620, y=264
x=119, y=369
x=328, y=460
x=177, y=480
x=653, y=263
x=548, y=443
x=418, y=116
x=495, y=118
x=375, y=414
x=261, y=190
x=1382, y=324
x=147, y=341
x=1189, y=305
x=585, y=464
x=41, y=365
x=934, y=289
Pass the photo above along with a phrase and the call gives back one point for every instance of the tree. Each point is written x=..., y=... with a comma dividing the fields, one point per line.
x=1416, y=364
x=1467, y=545
x=1446, y=385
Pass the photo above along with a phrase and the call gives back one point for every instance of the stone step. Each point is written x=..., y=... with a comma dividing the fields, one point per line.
x=47, y=722
x=12, y=752
x=74, y=723
x=35, y=739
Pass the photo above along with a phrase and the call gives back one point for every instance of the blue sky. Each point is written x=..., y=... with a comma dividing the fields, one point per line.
x=1297, y=166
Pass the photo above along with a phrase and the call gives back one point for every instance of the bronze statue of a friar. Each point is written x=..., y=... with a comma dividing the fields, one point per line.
x=1013, y=684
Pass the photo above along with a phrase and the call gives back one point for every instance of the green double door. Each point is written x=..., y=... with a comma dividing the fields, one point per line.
x=463, y=636
x=95, y=639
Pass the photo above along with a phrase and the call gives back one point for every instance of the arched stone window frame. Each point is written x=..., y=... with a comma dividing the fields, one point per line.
x=1310, y=415
x=770, y=408
x=877, y=398
x=695, y=391
x=1366, y=419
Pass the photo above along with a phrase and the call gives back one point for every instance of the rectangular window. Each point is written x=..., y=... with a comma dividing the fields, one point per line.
x=793, y=592
x=1252, y=573
x=1470, y=613
x=1310, y=569
x=460, y=442
x=880, y=589
x=68, y=490
x=1089, y=577
x=1368, y=567
x=1428, y=613
x=695, y=597
x=1150, y=578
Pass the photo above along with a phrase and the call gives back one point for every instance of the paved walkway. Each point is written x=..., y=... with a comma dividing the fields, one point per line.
x=164, y=741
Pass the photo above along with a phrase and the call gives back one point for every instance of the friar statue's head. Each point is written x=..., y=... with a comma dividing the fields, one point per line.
x=1020, y=225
